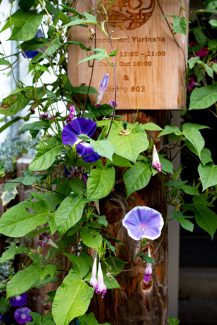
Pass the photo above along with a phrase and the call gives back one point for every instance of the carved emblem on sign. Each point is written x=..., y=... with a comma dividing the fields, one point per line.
x=129, y=14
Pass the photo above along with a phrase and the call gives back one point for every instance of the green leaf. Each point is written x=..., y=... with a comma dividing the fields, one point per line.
x=213, y=22
x=46, y=160
x=4, y=62
x=212, y=44
x=84, y=90
x=120, y=161
x=167, y=165
x=114, y=265
x=20, y=220
x=52, y=47
x=30, y=178
x=13, y=104
x=89, y=319
x=77, y=186
x=71, y=300
x=23, y=280
x=128, y=143
x=173, y=321
x=208, y=175
x=100, y=182
x=185, y=223
x=99, y=55
x=208, y=70
x=170, y=129
x=9, y=123
x=214, y=67
x=206, y=156
x=80, y=263
x=35, y=127
x=11, y=252
x=190, y=190
x=151, y=127
x=48, y=270
x=201, y=38
x=137, y=177
x=25, y=25
x=91, y=238
x=38, y=319
x=103, y=147
x=111, y=282
x=179, y=25
x=206, y=219
x=192, y=61
x=89, y=19
x=194, y=136
x=203, y=97
x=69, y=213
x=4, y=305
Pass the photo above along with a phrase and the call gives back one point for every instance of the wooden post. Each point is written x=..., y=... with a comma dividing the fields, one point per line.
x=136, y=303
x=150, y=77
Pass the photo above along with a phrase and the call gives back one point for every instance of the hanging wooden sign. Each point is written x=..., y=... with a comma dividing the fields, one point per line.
x=150, y=65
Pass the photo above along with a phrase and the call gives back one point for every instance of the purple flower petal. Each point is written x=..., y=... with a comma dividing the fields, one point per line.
x=30, y=54
x=147, y=278
x=86, y=152
x=143, y=222
x=68, y=135
x=83, y=125
x=22, y=316
x=19, y=300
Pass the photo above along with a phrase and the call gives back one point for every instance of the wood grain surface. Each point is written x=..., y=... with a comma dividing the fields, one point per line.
x=150, y=62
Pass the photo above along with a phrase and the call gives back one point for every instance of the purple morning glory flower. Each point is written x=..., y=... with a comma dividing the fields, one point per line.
x=70, y=134
x=19, y=301
x=143, y=222
x=22, y=315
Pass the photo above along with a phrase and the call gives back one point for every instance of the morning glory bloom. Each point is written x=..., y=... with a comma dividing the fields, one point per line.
x=22, y=315
x=101, y=287
x=102, y=88
x=148, y=270
x=19, y=301
x=70, y=134
x=143, y=222
x=93, y=280
x=156, y=164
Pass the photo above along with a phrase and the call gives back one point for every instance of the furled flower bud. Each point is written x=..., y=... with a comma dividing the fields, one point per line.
x=101, y=287
x=93, y=280
x=71, y=113
x=148, y=270
x=102, y=88
x=113, y=103
x=156, y=164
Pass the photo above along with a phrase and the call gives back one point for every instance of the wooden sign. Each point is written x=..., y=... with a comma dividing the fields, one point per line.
x=150, y=64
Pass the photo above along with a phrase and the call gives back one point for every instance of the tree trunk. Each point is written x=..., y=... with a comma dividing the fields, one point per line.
x=136, y=303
